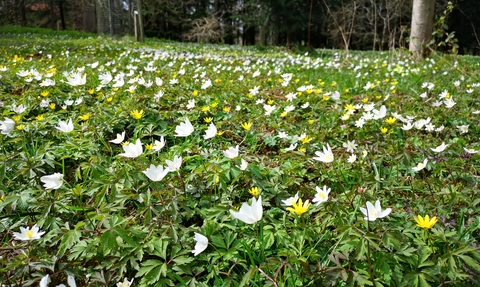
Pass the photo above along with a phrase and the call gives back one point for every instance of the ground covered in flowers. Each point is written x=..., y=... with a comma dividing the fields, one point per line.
x=169, y=164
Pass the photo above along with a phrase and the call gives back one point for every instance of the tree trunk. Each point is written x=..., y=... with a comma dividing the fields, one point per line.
x=23, y=13
x=89, y=20
x=62, y=14
x=422, y=26
x=52, y=14
x=140, y=22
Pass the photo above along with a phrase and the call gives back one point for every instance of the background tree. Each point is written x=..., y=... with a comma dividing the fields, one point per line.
x=422, y=26
x=350, y=24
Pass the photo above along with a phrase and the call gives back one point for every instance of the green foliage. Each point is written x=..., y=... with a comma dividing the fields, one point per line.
x=109, y=221
x=440, y=35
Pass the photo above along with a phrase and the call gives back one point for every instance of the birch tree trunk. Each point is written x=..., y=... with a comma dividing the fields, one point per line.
x=422, y=26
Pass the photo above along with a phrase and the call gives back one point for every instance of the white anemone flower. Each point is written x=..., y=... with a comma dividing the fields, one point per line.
x=158, y=145
x=119, y=139
x=420, y=166
x=156, y=173
x=44, y=281
x=76, y=79
x=232, y=152
x=249, y=213
x=201, y=245
x=71, y=281
x=373, y=212
x=352, y=158
x=19, y=109
x=210, y=132
x=321, y=195
x=470, y=150
x=53, y=181
x=125, y=283
x=7, y=126
x=184, y=129
x=29, y=234
x=326, y=155
x=243, y=165
x=132, y=150
x=440, y=148
x=291, y=200
x=65, y=127
x=175, y=164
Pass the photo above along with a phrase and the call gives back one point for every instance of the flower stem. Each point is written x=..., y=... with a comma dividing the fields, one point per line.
x=262, y=243
x=368, y=255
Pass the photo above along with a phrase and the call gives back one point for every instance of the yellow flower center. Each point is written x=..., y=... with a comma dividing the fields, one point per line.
x=29, y=234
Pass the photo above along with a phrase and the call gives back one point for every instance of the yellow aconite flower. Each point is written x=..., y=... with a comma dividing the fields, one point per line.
x=364, y=100
x=309, y=91
x=334, y=84
x=311, y=121
x=20, y=127
x=149, y=146
x=326, y=98
x=52, y=105
x=109, y=99
x=208, y=120
x=16, y=118
x=349, y=107
x=39, y=118
x=302, y=149
x=219, y=133
x=284, y=114
x=44, y=94
x=85, y=116
x=391, y=120
x=425, y=223
x=217, y=80
x=384, y=130
x=226, y=109
x=270, y=102
x=299, y=207
x=195, y=93
x=2, y=198
x=137, y=114
x=214, y=105
x=247, y=126
x=205, y=109
x=254, y=191
x=306, y=139
x=346, y=91
x=345, y=117
x=91, y=91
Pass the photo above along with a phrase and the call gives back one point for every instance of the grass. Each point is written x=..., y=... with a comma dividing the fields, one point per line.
x=105, y=219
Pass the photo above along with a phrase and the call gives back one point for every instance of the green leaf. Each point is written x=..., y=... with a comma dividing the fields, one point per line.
x=181, y=260
x=247, y=276
x=470, y=262
x=68, y=240
x=2, y=171
x=126, y=237
x=151, y=271
x=108, y=242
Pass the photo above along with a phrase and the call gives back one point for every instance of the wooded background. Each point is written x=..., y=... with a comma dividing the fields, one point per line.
x=352, y=24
